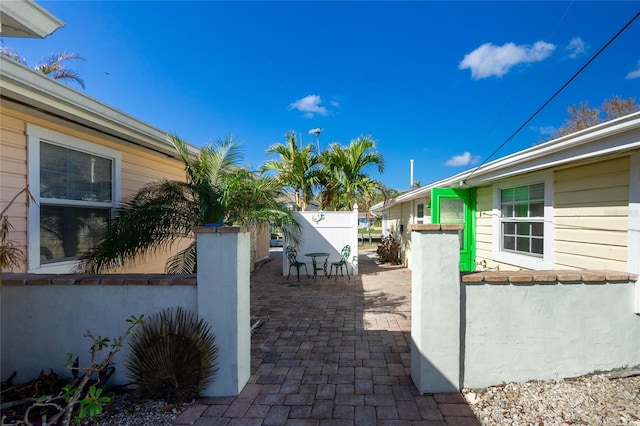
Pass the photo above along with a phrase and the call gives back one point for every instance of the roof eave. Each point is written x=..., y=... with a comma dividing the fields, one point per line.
x=26, y=19
x=25, y=86
x=595, y=141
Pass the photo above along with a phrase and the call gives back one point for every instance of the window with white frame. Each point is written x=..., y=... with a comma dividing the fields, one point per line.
x=522, y=219
x=420, y=213
x=76, y=186
x=522, y=222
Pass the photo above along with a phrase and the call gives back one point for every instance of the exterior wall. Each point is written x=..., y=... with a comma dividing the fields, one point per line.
x=56, y=317
x=326, y=232
x=543, y=330
x=484, y=227
x=139, y=166
x=262, y=242
x=591, y=215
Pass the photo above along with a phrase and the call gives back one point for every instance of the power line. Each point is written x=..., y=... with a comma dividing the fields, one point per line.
x=515, y=91
x=602, y=49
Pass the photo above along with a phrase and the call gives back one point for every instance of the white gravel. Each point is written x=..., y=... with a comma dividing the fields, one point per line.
x=589, y=400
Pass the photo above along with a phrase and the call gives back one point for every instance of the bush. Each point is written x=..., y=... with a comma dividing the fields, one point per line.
x=172, y=357
x=389, y=250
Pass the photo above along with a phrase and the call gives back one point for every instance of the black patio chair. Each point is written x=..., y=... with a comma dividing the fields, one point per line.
x=292, y=256
x=346, y=251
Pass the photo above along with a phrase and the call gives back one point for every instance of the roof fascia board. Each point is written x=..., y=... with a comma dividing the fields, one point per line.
x=26, y=19
x=30, y=87
x=595, y=141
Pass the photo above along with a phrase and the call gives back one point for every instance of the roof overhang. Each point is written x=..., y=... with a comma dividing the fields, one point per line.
x=609, y=138
x=28, y=90
x=25, y=18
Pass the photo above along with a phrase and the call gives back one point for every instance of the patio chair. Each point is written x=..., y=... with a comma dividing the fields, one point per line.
x=346, y=251
x=292, y=256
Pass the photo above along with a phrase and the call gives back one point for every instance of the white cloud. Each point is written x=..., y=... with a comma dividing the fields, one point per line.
x=335, y=104
x=545, y=130
x=576, y=47
x=489, y=59
x=309, y=105
x=635, y=73
x=465, y=159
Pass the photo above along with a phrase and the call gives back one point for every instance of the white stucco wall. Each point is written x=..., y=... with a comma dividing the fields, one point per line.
x=327, y=232
x=530, y=332
x=42, y=323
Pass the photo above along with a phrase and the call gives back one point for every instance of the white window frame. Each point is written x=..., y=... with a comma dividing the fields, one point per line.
x=517, y=259
x=36, y=135
x=420, y=219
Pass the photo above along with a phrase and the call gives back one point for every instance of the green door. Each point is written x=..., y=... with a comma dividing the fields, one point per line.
x=458, y=206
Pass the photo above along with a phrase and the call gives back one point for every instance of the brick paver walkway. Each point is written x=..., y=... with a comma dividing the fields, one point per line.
x=332, y=353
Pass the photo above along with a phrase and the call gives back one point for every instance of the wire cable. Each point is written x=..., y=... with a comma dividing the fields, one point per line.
x=575, y=75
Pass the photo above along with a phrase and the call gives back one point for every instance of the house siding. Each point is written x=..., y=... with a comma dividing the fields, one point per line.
x=138, y=167
x=484, y=212
x=591, y=215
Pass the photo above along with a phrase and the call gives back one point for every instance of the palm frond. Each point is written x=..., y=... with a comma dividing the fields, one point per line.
x=183, y=262
x=153, y=219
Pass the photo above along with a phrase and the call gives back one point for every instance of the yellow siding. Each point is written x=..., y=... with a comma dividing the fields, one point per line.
x=13, y=175
x=139, y=166
x=591, y=208
x=484, y=225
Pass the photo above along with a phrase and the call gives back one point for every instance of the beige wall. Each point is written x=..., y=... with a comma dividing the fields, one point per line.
x=591, y=215
x=139, y=166
x=484, y=227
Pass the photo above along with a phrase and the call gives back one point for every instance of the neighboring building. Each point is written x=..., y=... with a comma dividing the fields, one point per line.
x=570, y=203
x=79, y=157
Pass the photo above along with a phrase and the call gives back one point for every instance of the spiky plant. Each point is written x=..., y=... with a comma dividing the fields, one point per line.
x=172, y=357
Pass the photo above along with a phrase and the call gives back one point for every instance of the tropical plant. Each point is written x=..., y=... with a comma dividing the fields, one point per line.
x=388, y=250
x=51, y=400
x=172, y=357
x=54, y=66
x=216, y=191
x=11, y=256
x=295, y=169
x=344, y=178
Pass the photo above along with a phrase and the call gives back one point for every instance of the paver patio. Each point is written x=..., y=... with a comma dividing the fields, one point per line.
x=331, y=353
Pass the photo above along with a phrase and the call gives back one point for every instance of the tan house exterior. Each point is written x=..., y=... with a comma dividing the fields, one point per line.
x=46, y=129
x=583, y=204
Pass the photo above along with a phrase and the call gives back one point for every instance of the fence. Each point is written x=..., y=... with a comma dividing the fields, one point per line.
x=495, y=327
x=44, y=317
x=327, y=232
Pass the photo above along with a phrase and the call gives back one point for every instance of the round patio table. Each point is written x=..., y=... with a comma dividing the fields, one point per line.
x=314, y=260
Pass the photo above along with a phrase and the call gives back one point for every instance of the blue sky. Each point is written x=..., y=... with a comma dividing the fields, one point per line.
x=443, y=83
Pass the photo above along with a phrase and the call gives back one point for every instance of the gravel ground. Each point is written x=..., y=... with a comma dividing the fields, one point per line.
x=128, y=411
x=588, y=400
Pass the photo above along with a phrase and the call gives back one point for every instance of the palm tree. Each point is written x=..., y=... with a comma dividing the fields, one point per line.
x=216, y=191
x=344, y=178
x=53, y=66
x=295, y=168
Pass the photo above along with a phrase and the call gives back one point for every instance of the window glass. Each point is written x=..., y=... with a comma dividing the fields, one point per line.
x=522, y=210
x=67, y=232
x=74, y=175
x=71, y=182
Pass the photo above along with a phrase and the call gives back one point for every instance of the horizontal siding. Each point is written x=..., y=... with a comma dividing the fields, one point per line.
x=139, y=166
x=484, y=224
x=591, y=215
x=570, y=260
x=13, y=174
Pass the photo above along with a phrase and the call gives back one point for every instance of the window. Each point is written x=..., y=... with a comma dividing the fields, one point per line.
x=420, y=213
x=75, y=185
x=522, y=224
x=522, y=219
